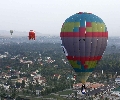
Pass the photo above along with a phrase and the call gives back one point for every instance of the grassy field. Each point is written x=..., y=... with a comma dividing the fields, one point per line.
x=65, y=92
x=47, y=96
x=54, y=96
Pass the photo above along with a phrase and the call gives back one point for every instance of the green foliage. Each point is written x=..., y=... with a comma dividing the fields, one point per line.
x=23, y=84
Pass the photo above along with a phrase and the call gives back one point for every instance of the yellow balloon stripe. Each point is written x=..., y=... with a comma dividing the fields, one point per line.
x=96, y=27
x=88, y=29
x=91, y=64
x=69, y=26
x=74, y=64
x=76, y=24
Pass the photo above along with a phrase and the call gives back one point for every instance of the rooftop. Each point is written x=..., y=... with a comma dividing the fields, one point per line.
x=118, y=78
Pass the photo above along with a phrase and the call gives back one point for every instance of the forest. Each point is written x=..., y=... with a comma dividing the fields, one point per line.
x=109, y=62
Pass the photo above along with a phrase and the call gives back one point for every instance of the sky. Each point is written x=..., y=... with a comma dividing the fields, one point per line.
x=47, y=16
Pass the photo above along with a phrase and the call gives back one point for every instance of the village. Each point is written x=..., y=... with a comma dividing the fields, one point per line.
x=14, y=79
x=47, y=74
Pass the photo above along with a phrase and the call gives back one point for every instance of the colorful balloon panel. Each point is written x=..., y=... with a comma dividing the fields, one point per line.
x=84, y=37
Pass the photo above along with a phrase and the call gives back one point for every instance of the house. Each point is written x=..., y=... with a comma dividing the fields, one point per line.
x=42, y=81
x=14, y=79
x=15, y=86
x=19, y=80
x=15, y=73
x=39, y=90
x=117, y=80
x=25, y=79
x=6, y=86
x=116, y=91
x=56, y=76
x=22, y=79
x=12, y=58
x=3, y=56
x=33, y=74
x=94, y=75
x=24, y=57
x=95, y=85
x=64, y=61
x=21, y=61
x=55, y=65
x=3, y=75
x=76, y=86
x=7, y=76
x=88, y=85
x=79, y=85
x=6, y=53
x=38, y=78
x=30, y=62
x=41, y=63
x=39, y=60
x=69, y=76
x=49, y=60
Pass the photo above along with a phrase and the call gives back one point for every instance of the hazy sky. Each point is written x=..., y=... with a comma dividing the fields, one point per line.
x=47, y=16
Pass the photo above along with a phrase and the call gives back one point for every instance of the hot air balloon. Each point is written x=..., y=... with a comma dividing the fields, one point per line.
x=31, y=35
x=11, y=31
x=84, y=39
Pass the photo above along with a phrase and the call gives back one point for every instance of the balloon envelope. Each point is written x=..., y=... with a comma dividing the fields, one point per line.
x=31, y=35
x=84, y=38
x=11, y=31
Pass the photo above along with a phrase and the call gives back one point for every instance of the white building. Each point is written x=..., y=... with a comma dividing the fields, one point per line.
x=117, y=80
x=115, y=93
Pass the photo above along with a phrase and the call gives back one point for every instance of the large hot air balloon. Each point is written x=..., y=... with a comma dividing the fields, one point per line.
x=84, y=39
x=11, y=31
x=31, y=35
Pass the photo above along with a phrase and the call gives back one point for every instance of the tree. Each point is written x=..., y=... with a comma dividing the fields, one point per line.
x=23, y=91
x=23, y=84
x=13, y=95
x=3, y=95
x=27, y=92
x=18, y=84
x=106, y=98
x=31, y=87
x=18, y=98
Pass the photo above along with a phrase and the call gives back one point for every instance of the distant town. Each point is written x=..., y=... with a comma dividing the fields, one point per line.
x=40, y=71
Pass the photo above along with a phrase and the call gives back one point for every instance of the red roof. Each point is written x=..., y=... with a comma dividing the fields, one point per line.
x=42, y=78
x=7, y=66
x=36, y=78
x=24, y=78
x=56, y=75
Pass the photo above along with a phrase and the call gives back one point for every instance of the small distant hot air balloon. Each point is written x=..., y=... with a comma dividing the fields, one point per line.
x=84, y=39
x=11, y=31
x=31, y=35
